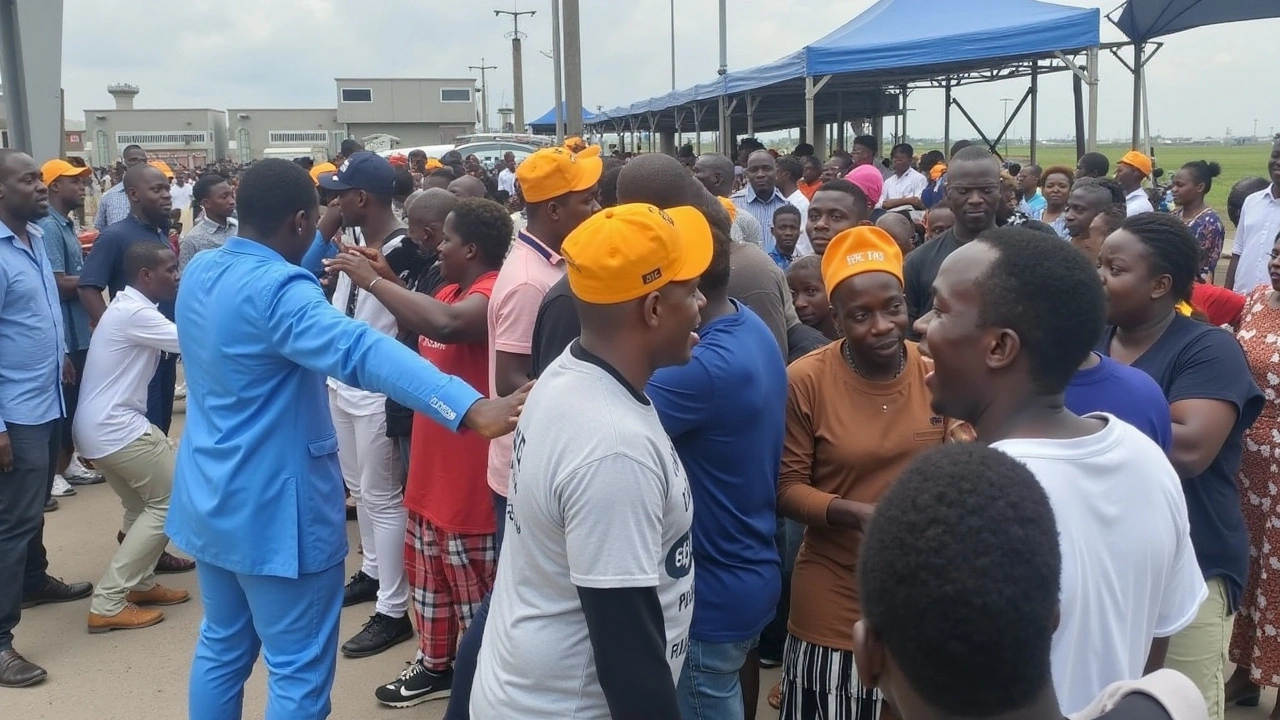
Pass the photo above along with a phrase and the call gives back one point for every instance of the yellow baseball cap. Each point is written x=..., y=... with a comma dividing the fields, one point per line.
x=861, y=249
x=322, y=169
x=434, y=164
x=575, y=144
x=729, y=207
x=163, y=167
x=1137, y=160
x=552, y=172
x=58, y=167
x=625, y=252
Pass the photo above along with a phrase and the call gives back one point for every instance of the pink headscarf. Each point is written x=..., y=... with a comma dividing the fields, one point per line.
x=869, y=181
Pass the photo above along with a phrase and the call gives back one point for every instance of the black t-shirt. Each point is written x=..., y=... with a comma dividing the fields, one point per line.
x=802, y=340
x=918, y=274
x=1193, y=360
x=556, y=326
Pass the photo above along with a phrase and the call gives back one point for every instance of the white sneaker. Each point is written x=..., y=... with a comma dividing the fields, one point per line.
x=61, y=488
x=180, y=392
x=78, y=474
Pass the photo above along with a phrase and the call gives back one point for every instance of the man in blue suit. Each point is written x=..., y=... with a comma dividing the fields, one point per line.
x=257, y=495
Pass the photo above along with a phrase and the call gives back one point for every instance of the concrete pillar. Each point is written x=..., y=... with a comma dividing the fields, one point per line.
x=572, y=66
x=31, y=70
x=667, y=142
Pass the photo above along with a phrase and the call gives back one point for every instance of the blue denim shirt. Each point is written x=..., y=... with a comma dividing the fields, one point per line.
x=257, y=488
x=66, y=256
x=32, y=345
x=761, y=209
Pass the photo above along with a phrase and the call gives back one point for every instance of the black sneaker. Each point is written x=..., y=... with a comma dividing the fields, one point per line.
x=56, y=591
x=769, y=663
x=382, y=632
x=415, y=685
x=360, y=589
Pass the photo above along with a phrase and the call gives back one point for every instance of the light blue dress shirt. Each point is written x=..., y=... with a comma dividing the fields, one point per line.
x=32, y=344
x=257, y=488
x=113, y=207
x=761, y=209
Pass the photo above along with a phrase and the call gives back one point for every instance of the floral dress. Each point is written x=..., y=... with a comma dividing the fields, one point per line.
x=1255, y=639
x=1209, y=232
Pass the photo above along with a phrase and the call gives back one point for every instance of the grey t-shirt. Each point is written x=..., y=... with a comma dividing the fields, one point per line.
x=598, y=499
x=757, y=281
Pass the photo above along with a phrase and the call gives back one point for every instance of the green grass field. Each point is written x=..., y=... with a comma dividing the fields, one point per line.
x=1237, y=161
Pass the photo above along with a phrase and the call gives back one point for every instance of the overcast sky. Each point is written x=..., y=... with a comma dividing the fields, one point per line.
x=285, y=53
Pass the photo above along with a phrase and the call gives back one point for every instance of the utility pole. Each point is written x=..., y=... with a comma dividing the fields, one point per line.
x=721, y=71
x=517, y=62
x=572, y=67
x=559, y=71
x=484, y=92
x=673, y=45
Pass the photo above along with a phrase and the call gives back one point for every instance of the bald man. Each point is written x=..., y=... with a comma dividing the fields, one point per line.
x=715, y=172
x=900, y=228
x=148, y=221
x=468, y=186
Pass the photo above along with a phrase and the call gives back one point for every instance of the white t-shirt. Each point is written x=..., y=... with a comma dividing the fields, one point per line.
x=1137, y=202
x=803, y=246
x=598, y=499
x=909, y=184
x=507, y=180
x=368, y=310
x=123, y=355
x=181, y=195
x=1129, y=573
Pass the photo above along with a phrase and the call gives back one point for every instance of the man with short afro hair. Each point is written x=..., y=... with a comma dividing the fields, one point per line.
x=1016, y=313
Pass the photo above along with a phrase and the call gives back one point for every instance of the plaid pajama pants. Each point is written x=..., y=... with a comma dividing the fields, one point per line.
x=449, y=575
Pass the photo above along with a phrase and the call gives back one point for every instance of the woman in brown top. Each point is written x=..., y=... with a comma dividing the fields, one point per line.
x=857, y=413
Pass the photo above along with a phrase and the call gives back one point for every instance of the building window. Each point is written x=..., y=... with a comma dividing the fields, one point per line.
x=357, y=95
x=298, y=137
x=4, y=138
x=455, y=95
x=162, y=138
x=244, y=144
x=100, y=144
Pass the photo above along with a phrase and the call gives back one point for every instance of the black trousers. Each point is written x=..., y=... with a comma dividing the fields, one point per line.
x=23, y=492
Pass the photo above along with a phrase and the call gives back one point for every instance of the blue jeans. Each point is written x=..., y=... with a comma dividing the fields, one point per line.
x=293, y=621
x=709, y=688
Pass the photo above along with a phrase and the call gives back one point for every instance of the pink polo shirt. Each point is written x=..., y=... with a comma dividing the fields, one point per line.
x=528, y=273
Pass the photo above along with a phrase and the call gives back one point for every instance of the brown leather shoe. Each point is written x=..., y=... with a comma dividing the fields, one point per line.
x=158, y=595
x=16, y=671
x=167, y=564
x=131, y=617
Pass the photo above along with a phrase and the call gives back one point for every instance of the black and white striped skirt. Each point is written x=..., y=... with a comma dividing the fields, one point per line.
x=821, y=683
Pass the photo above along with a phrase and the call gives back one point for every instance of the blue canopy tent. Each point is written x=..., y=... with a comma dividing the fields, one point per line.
x=868, y=65
x=547, y=123
x=1144, y=20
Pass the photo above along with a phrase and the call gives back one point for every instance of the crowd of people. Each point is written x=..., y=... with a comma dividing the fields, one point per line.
x=936, y=435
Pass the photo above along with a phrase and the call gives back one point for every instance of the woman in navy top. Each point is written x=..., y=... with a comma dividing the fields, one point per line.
x=1147, y=268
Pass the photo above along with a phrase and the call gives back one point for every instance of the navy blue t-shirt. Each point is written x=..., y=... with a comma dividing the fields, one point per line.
x=1191, y=361
x=104, y=268
x=725, y=411
x=1127, y=393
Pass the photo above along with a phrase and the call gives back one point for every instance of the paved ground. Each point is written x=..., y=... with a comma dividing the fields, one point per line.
x=142, y=674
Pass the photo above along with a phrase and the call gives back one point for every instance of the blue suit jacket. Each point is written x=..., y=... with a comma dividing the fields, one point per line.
x=257, y=488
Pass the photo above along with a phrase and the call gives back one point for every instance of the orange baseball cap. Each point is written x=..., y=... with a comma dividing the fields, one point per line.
x=858, y=250
x=322, y=169
x=729, y=207
x=626, y=252
x=1138, y=160
x=58, y=167
x=575, y=144
x=434, y=164
x=163, y=167
x=552, y=172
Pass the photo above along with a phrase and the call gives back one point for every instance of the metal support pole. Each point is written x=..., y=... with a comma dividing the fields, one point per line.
x=31, y=72
x=903, y=110
x=723, y=138
x=1093, y=99
x=559, y=72
x=1035, y=103
x=1137, y=95
x=572, y=67
x=946, y=117
x=811, y=89
x=673, y=45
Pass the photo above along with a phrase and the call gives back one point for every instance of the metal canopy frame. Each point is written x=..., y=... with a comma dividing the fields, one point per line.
x=811, y=102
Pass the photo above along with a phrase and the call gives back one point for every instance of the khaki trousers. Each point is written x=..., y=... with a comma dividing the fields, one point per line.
x=1199, y=650
x=141, y=473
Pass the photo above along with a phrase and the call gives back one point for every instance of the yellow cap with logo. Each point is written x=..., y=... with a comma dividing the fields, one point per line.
x=625, y=252
x=552, y=172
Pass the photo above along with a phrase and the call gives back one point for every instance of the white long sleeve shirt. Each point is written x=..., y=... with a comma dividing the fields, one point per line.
x=123, y=355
